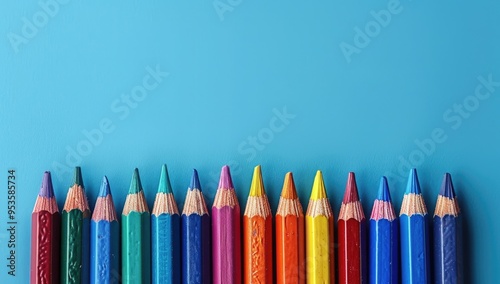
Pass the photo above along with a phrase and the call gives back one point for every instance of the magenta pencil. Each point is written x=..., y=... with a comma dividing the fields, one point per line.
x=226, y=233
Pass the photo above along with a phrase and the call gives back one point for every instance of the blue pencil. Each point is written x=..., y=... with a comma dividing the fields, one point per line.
x=195, y=236
x=414, y=228
x=104, y=239
x=165, y=227
x=448, y=265
x=384, y=239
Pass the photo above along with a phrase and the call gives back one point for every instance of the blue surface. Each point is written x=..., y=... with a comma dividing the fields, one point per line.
x=231, y=79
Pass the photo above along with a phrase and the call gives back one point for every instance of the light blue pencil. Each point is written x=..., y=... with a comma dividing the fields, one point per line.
x=165, y=227
x=414, y=228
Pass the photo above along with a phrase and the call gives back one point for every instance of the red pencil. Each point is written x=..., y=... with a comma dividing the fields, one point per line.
x=45, y=236
x=352, y=239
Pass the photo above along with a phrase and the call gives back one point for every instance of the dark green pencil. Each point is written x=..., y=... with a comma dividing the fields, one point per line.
x=75, y=228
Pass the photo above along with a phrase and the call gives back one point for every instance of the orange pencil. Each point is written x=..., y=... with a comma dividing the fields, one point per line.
x=290, y=252
x=257, y=234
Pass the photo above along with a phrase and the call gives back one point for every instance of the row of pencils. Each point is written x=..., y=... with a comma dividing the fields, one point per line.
x=195, y=246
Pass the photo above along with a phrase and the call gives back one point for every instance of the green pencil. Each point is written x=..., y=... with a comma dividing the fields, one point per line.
x=136, y=242
x=75, y=228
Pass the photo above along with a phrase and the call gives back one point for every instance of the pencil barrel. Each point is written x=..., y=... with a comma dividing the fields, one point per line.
x=166, y=246
x=319, y=250
x=136, y=246
x=415, y=254
x=290, y=250
x=75, y=252
x=226, y=245
x=384, y=252
x=448, y=262
x=45, y=242
x=258, y=249
x=352, y=252
x=196, y=259
x=104, y=252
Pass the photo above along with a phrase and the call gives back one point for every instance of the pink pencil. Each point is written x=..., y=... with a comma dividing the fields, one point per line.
x=226, y=232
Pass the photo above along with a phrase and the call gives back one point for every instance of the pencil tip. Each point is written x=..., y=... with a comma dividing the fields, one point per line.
x=318, y=190
x=195, y=181
x=46, y=190
x=351, y=189
x=447, y=189
x=77, y=178
x=383, y=192
x=413, y=185
x=135, y=185
x=225, y=181
x=289, y=190
x=164, y=186
x=257, y=187
x=105, y=190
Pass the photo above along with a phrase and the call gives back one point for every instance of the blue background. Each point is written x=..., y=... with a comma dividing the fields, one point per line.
x=227, y=75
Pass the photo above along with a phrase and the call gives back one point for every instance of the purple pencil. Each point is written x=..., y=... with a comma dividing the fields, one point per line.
x=226, y=232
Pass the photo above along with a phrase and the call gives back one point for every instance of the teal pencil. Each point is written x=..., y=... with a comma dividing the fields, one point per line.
x=165, y=227
x=136, y=236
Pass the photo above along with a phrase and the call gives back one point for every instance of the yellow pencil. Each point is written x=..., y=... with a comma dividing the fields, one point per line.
x=319, y=235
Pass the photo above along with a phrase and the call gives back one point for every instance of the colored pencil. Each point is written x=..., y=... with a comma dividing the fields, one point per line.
x=384, y=239
x=45, y=236
x=196, y=267
x=352, y=236
x=290, y=238
x=75, y=232
x=104, y=239
x=319, y=235
x=166, y=237
x=414, y=230
x=257, y=234
x=226, y=238
x=136, y=242
x=448, y=259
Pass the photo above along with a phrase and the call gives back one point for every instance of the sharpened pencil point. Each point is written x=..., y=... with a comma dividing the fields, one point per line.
x=257, y=187
x=225, y=181
x=289, y=190
x=104, y=191
x=351, y=189
x=164, y=185
x=46, y=190
x=383, y=191
x=318, y=189
x=77, y=178
x=135, y=185
x=413, y=185
x=447, y=189
x=195, y=181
